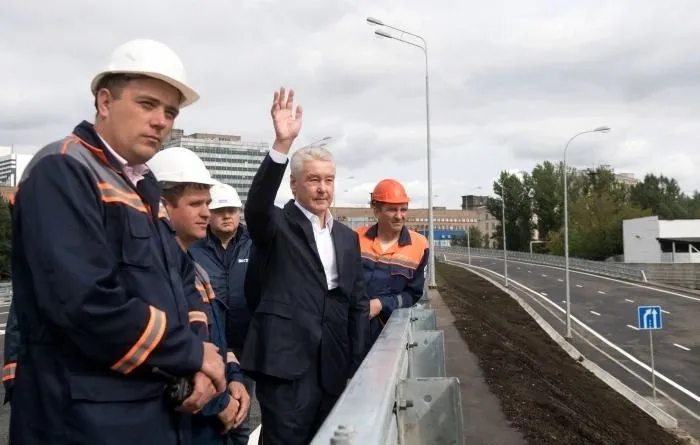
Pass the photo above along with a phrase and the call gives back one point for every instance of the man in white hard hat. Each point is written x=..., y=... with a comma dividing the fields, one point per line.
x=186, y=184
x=224, y=254
x=103, y=319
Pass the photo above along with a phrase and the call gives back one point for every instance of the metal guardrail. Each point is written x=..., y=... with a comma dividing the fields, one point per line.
x=595, y=267
x=400, y=394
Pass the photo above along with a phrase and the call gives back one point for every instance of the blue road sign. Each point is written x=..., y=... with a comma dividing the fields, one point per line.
x=649, y=317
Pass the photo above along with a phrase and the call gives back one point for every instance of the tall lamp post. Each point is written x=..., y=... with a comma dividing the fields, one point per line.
x=566, y=229
x=503, y=223
x=424, y=48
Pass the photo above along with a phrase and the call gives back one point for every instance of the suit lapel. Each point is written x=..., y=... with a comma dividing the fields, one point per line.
x=339, y=248
x=297, y=217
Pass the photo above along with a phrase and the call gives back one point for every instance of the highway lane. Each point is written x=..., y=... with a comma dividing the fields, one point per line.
x=610, y=308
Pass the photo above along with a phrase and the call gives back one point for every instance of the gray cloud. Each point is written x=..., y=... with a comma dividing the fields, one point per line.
x=511, y=81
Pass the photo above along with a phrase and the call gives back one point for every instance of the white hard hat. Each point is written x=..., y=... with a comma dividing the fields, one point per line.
x=223, y=195
x=152, y=59
x=179, y=164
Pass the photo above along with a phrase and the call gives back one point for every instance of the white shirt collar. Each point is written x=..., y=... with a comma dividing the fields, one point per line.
x=315, y=219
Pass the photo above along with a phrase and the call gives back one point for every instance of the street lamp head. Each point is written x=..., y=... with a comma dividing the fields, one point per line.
x=602, y=129
x=383, y=34
x=373, y=21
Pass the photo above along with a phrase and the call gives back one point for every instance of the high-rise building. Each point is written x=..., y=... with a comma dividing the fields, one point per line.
x=12, y=166
x=228, y=158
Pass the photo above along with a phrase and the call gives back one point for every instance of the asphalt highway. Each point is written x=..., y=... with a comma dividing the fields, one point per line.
x=609, y=307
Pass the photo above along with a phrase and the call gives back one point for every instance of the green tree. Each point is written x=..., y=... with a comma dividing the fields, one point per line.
x=476, y=239
x=595, y=218
x=518, y=211
x=663, y=196
x=547, y=197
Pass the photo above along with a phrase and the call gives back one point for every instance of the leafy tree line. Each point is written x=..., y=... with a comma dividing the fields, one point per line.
x=597, y=201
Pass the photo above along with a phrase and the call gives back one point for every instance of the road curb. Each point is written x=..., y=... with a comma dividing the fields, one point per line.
x=663, y=418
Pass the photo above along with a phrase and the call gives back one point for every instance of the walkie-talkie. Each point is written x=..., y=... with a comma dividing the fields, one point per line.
x=178, y=388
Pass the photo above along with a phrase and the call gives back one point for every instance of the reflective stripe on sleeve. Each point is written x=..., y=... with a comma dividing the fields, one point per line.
x=8, y=371
x=198, y=317
x=145, y=344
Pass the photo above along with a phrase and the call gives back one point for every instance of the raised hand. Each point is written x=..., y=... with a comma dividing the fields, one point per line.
x=286, y=119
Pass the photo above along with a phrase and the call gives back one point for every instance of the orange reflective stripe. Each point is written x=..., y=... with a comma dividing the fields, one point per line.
x=145, y=344
x=8, y=371
x=111, y=194
x=198, y=317
x=231, y=358
x=202, y=291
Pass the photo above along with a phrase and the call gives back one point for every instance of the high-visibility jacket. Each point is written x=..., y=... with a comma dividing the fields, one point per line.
x=396, y=276
x=99, y=302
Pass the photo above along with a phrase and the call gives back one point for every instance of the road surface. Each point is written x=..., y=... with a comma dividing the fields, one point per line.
x=609, y=307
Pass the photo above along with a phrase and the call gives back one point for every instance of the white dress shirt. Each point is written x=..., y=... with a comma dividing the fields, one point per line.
x=322, y=235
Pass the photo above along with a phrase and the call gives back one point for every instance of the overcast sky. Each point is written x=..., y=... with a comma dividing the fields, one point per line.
x=510, y=80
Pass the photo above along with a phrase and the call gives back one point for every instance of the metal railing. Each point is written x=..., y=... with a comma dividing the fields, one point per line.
x=595, y=267
x=400, y=394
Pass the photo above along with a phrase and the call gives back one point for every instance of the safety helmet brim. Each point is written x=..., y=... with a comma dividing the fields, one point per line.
x=189, y=96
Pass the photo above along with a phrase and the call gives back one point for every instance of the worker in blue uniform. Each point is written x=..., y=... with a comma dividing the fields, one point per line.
x=393, y=257
x=186, y=184
x=100, y=305
x=224, y=254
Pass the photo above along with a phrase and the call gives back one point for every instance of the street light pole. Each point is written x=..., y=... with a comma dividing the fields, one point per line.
x=566, y=229
x=503, y=224
x=431, y=227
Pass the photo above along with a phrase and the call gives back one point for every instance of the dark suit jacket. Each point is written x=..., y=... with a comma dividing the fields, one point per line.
x=295, y=319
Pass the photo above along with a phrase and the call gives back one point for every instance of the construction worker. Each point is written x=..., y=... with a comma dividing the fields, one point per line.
x=394, y=258
x=186, y=186
x=224, y=253
x=102, y=314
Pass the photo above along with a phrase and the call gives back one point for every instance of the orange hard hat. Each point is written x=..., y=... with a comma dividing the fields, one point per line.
x=389, y=191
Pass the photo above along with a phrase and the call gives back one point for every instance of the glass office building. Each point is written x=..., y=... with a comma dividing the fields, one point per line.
x=228, y=158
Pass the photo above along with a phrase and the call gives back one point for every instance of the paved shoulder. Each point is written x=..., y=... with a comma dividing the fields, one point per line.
x=483, y=419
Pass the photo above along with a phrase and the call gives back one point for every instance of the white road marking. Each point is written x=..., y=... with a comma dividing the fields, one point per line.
x=628, y=300
x=665, y=312
x=633, y=327
x=600, y=337
x=578, y=285
x=626, y=283
x=544, y=275
x=544, y=293
x=601, y=292
x=595, y=313
x=529, y=271
x=3, y=313
x=681, y=346
x=560, y=280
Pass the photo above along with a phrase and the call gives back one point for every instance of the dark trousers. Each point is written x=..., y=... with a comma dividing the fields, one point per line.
x=292, y=410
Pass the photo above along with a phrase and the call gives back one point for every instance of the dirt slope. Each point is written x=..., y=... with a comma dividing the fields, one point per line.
x=544, y=393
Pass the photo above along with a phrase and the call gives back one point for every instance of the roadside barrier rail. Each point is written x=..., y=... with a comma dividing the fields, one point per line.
x=400, y=394
x=613, y=270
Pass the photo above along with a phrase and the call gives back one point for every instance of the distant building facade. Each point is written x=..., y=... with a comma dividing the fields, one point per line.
x=12, y=166
x=228, y=158
x=448, y=223
x=651, y=240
